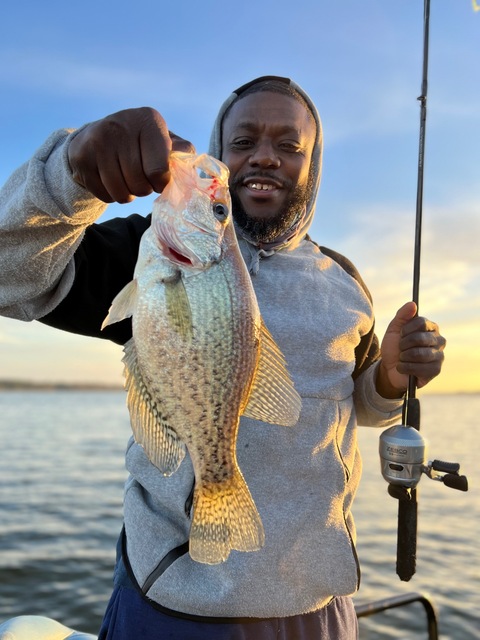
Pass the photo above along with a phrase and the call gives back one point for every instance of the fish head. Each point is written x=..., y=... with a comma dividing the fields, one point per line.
x=189, y=218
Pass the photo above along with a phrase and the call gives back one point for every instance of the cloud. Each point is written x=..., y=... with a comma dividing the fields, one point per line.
x=32, y=351
x=381, y=241
x=59, y=75
x=391, y=109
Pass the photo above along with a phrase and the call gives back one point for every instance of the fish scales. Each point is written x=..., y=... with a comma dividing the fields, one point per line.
x=193, y=378
x=201, y=355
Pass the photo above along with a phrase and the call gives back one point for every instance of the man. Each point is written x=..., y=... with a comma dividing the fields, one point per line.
x=61, y=268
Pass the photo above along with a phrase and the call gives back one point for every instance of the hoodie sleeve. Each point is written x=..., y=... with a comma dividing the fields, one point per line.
x=104, y=264
x=371, y=408
x=43, y=215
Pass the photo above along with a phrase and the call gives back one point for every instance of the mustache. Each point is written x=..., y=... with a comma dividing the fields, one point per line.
x=266, y=175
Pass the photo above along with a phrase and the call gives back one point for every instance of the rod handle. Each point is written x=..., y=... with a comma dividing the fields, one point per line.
x=407, y=538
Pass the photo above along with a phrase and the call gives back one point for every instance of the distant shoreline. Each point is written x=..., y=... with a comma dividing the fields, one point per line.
x=25, y=385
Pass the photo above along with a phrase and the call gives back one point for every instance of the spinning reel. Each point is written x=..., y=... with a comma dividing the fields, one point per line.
x=402, y=458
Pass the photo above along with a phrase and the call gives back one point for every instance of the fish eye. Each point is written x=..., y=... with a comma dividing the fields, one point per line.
x=220, y=211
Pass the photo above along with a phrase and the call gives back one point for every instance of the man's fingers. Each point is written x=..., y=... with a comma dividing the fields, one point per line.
x=179, y=144
x=421, y=340
x=123, y=155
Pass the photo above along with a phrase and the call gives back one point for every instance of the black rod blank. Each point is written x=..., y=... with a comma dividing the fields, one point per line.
x=420, y=179
x=407, y=505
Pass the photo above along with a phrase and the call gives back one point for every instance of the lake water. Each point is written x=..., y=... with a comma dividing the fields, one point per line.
x=61, y=485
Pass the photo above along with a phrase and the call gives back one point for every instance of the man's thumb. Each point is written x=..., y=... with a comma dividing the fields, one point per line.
x=403, y=315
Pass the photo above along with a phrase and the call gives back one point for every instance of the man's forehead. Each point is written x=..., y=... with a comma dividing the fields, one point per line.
x=256, y=123
x=284, y=113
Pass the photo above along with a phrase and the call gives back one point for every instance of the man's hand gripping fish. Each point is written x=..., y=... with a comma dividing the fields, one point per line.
x=200, y=356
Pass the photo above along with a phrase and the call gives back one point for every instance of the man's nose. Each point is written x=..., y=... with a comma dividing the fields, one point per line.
x=264, y=156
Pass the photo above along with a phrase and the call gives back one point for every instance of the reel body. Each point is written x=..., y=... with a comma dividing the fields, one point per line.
x=402, y=455
x=402, y=458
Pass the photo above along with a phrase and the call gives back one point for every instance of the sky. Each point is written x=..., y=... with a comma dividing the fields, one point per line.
x=66, y=64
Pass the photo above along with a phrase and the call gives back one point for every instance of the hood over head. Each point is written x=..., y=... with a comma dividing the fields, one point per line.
x=305, y=218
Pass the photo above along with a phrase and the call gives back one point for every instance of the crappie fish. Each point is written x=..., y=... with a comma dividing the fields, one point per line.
x=200, y=355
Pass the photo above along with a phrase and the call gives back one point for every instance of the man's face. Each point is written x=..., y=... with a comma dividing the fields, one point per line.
x=268, y=141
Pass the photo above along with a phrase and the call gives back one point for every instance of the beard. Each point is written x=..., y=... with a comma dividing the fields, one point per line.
x=261, y=230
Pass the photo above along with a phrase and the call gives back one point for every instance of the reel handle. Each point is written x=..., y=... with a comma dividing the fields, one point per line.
x=445, y=467
x=455, y=481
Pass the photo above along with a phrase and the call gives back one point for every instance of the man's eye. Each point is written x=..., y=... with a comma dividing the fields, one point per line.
x=290, y=146
x=242, y=143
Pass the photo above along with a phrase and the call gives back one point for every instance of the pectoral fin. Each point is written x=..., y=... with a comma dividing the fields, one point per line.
x=123, y=304
x=150, y=428
x=272, y=398
x=178, y=307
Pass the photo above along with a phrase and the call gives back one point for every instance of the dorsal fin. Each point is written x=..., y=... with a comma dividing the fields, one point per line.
x=272, y=398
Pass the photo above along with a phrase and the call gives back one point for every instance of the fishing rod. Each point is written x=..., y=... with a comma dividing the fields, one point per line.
x=402, y=448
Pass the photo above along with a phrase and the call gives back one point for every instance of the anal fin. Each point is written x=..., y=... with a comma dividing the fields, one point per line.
x=161, y=443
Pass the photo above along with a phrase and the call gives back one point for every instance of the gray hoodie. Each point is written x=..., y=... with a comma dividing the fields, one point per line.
x=303, y=479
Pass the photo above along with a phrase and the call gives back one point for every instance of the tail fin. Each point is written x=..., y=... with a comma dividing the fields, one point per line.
x=224, y=518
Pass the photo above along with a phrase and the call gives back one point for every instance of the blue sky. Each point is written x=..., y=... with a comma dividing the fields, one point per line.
x=64, y=64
